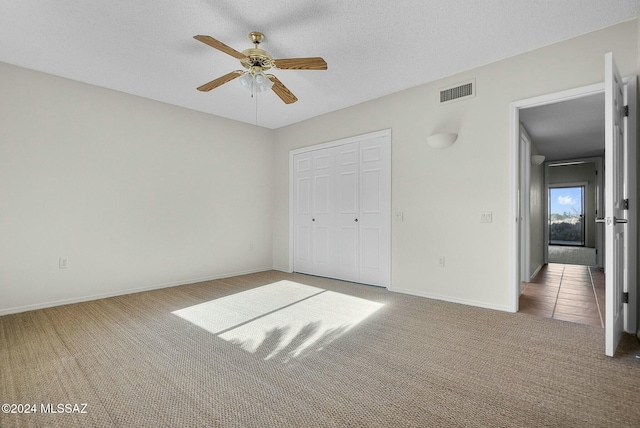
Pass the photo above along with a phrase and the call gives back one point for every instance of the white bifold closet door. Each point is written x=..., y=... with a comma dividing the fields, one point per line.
x=341, y=215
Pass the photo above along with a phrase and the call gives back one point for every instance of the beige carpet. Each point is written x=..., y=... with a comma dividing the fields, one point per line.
x=279, y=350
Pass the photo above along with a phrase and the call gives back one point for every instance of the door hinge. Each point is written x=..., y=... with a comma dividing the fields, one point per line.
x=626, y=111
x=625, y=204
x=625, y=297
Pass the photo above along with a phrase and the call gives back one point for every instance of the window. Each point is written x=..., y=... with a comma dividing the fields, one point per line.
x=566, y=216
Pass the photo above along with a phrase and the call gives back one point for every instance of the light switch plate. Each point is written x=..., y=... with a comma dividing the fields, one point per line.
x=486, y=217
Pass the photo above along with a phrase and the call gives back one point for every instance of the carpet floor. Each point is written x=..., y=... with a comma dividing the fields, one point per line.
x=285, y=350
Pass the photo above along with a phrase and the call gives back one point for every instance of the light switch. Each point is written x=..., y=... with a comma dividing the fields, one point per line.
x=399, y=216
x=486, y=217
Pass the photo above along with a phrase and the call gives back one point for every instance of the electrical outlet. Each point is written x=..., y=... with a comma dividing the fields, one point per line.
x=63, y=262
x=441, y=261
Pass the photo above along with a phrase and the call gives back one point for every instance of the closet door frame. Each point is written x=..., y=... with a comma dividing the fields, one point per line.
x=364, y=137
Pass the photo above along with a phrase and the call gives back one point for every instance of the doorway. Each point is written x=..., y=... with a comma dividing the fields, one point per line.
x=519, y=197
x=561, y=195
x=561, y=144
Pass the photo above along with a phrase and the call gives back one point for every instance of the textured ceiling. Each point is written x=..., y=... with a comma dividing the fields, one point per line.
x=568, y=129
x=373, y=48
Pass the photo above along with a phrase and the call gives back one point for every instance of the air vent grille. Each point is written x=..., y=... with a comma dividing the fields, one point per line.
x=457, y=92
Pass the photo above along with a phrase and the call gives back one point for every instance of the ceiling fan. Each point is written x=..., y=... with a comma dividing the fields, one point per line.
x=257, y=61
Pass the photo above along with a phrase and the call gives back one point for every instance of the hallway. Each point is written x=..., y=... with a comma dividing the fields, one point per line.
x=566, y=292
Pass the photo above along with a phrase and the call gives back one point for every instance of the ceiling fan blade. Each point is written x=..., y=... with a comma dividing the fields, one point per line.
x=208, y=40
x=220, y=81
x=282, y=91
x=315, y=63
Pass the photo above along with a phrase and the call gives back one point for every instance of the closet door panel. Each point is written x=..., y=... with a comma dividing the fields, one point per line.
x=323, y=206
x=371, y=259
x=371, y=191
x=348, y=208
x=303, y=210
x=322, y=251
x=348, y=251
x=375, y=219
x=348, y=193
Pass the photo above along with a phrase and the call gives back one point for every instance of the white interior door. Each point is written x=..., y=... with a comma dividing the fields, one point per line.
x=614, y=195
x=348, y=210
x=303, y=212
x=375, y=221
x=341, y=209
x=313, y=219
x=323, y=207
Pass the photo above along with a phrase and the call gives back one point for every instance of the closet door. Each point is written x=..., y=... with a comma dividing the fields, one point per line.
x=314, y=222
x=323, y=207
x=346, y=198
x=375, y=209
x=342, y=210
x=303, y=212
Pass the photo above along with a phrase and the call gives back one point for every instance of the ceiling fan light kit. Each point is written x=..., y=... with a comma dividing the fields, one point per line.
x=255, y=81
x=257, y=61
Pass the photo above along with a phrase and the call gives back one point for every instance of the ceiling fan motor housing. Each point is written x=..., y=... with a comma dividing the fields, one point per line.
x=256, y=57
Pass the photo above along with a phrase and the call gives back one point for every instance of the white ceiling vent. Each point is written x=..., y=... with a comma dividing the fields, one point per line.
x=458, y=92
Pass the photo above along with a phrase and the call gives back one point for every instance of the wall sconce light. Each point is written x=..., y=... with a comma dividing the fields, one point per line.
x=537, y=159
x=442, y=140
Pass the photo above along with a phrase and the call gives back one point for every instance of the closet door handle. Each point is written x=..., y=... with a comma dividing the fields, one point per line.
x=313, y=219
x=356, y=220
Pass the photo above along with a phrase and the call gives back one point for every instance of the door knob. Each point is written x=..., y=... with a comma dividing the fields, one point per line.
x=356, y=220
x=615, y=220
x=313, y=219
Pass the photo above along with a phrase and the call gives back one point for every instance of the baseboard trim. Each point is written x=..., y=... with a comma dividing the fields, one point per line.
x=534, y=274
x=43, y=305
x=466, y=302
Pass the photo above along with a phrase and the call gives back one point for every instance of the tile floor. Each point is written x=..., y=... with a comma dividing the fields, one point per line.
x=566, y=292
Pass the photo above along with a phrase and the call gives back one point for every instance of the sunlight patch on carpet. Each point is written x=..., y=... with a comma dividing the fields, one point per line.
x=284, y=319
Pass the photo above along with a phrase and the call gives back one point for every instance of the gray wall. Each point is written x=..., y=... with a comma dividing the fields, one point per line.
x=442, y=192
x=135, y=193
